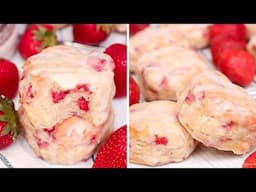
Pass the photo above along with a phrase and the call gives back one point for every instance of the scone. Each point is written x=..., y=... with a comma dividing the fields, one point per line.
x=251, y=30
x=120, y=28
x=218, y=113
x=196, y=34
x=66, y=102
x=151, y=39
x=164, y=73
x=156, y=136
x=251, y=46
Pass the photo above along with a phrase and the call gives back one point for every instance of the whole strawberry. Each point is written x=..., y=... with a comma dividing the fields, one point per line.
x=235, y=31
x=35, y=38
x=91, y=34
x=9, y=78
x=238, y=65
x=8, y=122
x=219, y=45
x=135, y=28
x=113, y=153
x=118, y=53
x=134, y=92
x=250, y=161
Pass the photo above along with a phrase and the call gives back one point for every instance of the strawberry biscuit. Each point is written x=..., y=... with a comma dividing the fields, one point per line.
x=156, y=136
x=251, y=30
x=163, y=73
x=154, y=38
x=196, y=34
x=218, y=113
x=66, y=102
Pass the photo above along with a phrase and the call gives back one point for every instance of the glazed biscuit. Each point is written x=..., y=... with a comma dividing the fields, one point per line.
x=152, y=39
x=218, y=113
x=164, y=73
x=66, y=102
x=156, y=136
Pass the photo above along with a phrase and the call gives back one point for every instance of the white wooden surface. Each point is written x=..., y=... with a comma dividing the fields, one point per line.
x=19, y=154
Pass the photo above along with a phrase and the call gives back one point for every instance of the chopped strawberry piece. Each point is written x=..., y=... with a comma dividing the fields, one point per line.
x=228, y=125
x=201, y=95
x=51, y=132
x=160, y=140
x=164, y=82
x=40, y=143
x=96, y=63
x=28, y=92
x=190, y=98
x=83, y=87
x=93, y=140
x=57, y=96
x=83, y=104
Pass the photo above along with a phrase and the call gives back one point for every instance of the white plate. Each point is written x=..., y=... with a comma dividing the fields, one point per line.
x=19, y=154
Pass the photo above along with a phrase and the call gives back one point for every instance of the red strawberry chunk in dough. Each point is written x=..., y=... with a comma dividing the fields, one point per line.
x=190, y=98
x=164, y=82
x=1, y=113
x=83, y=87
x=93, y=140
x=201, y=95
x=160, y=140
x=83, y=104
x=51, y=132
x=57, y=96
x=40, y=143
x=96, y=63
x=228, y=125
x=28, y=92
